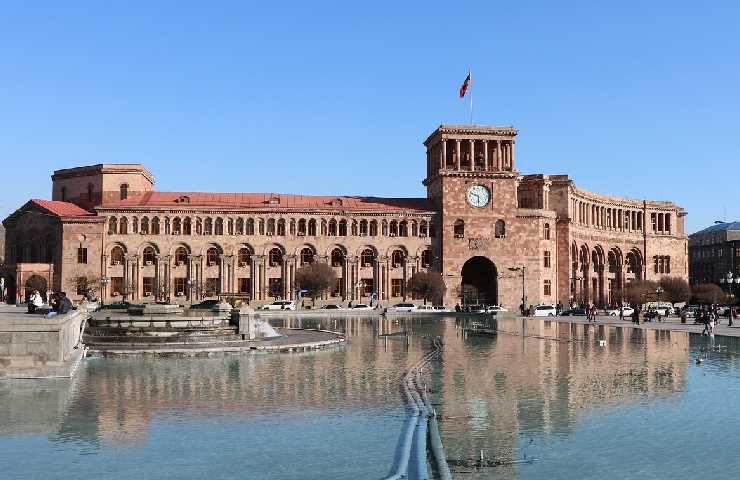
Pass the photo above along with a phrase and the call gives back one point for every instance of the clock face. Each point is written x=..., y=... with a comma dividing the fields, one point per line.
x=478, y=196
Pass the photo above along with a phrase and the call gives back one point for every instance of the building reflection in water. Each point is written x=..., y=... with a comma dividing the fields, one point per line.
x=495, y=393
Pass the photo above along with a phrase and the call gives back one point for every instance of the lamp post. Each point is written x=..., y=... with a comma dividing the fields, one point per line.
x=522, y=269
x=103, y=282
x=190, y=282
x=658, y=292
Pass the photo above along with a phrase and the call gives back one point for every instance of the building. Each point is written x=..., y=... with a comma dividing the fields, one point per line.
x=714, y=256
x=494, y=234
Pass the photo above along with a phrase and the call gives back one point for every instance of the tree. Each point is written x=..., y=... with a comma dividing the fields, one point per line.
x=675, y=289
x=84, y=283
x=427, y=285
x=638, y=292
x=316, y=278
x=707, y=293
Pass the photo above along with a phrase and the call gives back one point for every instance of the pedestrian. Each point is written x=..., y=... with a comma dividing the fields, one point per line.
x=35, y=301
x=731, y=316
x=636, y=316
x=704, y=319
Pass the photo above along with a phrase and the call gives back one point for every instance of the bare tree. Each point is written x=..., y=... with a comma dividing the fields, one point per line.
x=707, y=293
x=84, y=283
x=428, y=285
x=640, y=291
x=316, y=278
x=675, y=289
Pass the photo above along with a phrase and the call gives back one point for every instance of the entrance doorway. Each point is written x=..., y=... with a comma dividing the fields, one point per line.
x=479, y=282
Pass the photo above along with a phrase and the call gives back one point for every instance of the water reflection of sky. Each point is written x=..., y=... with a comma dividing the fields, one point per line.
x=639, y=407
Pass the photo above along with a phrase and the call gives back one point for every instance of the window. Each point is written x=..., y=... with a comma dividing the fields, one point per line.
x=208, y=227
x=90, y=191
x=368, y=286
x=343, y=228
x=393, y=228
x=82, y=255
x=240, y=226
x=116, y=286
x=250, y=226
x=367, y=257
x=275, y=257
x=148, y=284
x=176, y=226
x=423, y=229
x=211, y=287
x=181, y=255
x=124, y=191
x=144, y=227
x=187, y=227
x=337, y=290
x=301, y=227
x=123, y=226
x=737, y=252
x=112, y=226
x=244, y=257
x=312, y=227
x=281, y=227
x=148, y=256
x=426, y=259
x=373, y=228
x=396, y=287
x=82, y=284
x=547, y=288
x=547, y=259
x=363, y=228
x=244, y=285
x=337, y=258
x=458, y=228
x=211, y=256
x=397, y=258
x=547, y=231
x=116, y=256
x=662, y=264
x=219, y=228
x=403, y=229
x=332, y=228
x=306, y=256
x=500, y=229
x=654, y=222
x=155, y=226
x=180, y=286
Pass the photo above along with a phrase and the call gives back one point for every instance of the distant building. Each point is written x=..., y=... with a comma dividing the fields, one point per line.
x=714, y=253
x=2, y=244
x=494, y=234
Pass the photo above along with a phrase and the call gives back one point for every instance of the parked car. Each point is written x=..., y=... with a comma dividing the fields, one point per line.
x=279, y=305
x=545, y=311
x=442, y=309
x=475, y=309
x=205, y=305
x=495, y=308
x=574, y=312
x=403, y=307
x=331, y=306
x=362, y=306
x=614, y=312
x=425, y=309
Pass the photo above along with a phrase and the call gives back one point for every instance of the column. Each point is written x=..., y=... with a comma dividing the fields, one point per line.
x=472, y=155
x=499, y=158
x=511, y=156
x=253, y=278
x=457, y=152
x=443, y=160
x=485, y=155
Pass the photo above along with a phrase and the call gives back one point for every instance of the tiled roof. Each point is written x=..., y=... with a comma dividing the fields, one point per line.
x=719, y=227
x=273, y=201
x=62, y=209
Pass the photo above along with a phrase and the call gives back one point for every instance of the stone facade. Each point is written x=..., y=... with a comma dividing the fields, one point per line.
x=714, y=256
x=494, y=234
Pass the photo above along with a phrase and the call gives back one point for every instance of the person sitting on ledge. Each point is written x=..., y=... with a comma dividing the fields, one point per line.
x=65, y=304
x=35, y=301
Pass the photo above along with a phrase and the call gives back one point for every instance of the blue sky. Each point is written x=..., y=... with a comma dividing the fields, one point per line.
x=635, y=99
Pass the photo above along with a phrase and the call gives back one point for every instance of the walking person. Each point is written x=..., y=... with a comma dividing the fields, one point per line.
x=636, y=316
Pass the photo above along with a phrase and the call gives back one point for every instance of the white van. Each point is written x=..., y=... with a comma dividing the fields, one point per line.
x=545, y=311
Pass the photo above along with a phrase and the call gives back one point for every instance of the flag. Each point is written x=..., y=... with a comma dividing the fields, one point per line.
x=465, y=86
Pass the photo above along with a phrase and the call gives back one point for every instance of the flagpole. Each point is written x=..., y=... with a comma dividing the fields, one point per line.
x=470, y=73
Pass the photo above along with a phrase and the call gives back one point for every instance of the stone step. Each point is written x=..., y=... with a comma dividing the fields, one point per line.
x=110, y=339
x=149, y=346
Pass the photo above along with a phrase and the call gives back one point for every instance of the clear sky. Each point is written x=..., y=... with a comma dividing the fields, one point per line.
x=636, y=99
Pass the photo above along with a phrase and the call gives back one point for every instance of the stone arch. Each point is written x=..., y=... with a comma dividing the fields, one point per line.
x=479, y=281
x=306, y=254
x=337, y=255
x=35, y=282
x=367, y=255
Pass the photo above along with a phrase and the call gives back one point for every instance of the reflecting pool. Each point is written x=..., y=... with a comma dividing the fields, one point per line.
x=636, y=406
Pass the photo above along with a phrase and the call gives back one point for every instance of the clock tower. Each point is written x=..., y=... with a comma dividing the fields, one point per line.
x=472, y=181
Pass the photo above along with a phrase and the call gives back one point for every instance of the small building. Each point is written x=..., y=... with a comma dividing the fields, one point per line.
x=714, y=256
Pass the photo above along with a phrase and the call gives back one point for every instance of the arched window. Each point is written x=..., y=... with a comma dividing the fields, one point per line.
x=230, y=226
x=397, y=258
x=208, y=227
x=546, y=259
x=291, y=229
x=337, y=258
x=312, y=227
x=367, y=257
x=148, y=256
x=211, y=256
x=332, y=227
x=155, y=226
x=90, y=190
x=244, y=257
x=384, y=228
x=181, y=255
x=426, y=259
x=167, y=225
x=123, y=226
x=547, y=231
x=219, y=229
x=112, y=226
x=275, y=257
x=281, y=227
x=302, y=227
x=176, y=226
x=414, y=229
x=124, y=191
x=373, y=228
x=306, y=256
x=354, y=229
x=363, y=228
x=240, y=226
x=116, y=256
x=250, y=226
x=144, y=227
x=403, y=228
x=343, y=228
x=187, y=226
x=458, y=228
x=393, y=231
x=423, y=229
x=271, y=226
x=500, y=229
x=261, y=226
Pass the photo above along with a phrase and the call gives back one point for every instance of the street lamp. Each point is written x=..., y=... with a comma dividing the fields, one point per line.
x=522, y=269
x=658, y=292
x=103, y=282
x=190, y=282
